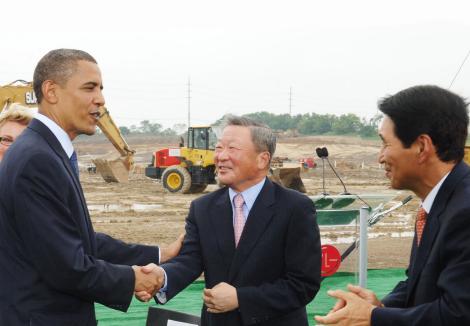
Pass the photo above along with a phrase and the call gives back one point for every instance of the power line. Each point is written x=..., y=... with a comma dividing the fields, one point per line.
x=458, y=71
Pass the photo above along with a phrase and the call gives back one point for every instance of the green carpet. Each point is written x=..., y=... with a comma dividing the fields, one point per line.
x=190, y=300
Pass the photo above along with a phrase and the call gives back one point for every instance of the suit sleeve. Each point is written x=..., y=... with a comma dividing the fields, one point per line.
x=301, y=278
x=53, y=239
x=118, y=252
x=397, y=297
x=187, y=266
x=452, y=307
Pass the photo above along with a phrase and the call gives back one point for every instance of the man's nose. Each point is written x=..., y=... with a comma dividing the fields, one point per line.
x=221, y=155
x=380, y=157
x=99, y=98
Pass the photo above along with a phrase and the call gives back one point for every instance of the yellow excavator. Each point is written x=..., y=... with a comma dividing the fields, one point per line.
x=117, y=170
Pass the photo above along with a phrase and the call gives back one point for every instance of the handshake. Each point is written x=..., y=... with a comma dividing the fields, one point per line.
x=148, y=280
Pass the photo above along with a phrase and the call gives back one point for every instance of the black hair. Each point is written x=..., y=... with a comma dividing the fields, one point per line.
x=429, y=110
x=57, y=65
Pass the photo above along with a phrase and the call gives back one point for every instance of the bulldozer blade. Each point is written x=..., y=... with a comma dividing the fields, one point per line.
x=112, y=171
x=289, y=178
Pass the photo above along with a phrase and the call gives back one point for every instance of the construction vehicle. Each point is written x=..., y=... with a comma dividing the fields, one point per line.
x=186, y=169
x=117, y=170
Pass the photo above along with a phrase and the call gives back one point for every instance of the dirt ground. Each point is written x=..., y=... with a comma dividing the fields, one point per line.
x=141, y=211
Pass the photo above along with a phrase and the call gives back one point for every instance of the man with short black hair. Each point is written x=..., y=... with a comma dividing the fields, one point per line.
x=53, y=265
x=423, y=133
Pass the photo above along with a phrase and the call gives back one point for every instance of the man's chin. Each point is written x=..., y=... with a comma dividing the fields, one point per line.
x=222, y=182
x=89, y=132
x=396, y=185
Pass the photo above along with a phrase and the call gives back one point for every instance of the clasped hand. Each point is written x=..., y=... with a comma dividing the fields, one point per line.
x=353, y=308
x=148, y=280
x=221, y=298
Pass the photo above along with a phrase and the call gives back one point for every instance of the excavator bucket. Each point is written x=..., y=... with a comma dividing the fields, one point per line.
x=289, y=178
x=112, y=171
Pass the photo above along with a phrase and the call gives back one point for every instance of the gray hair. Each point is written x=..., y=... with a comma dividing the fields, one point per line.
x=261, y=135
x=57, y=65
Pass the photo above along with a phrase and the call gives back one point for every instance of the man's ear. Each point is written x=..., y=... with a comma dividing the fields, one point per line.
x=49, y=91
x=425, y=148
x=263, y=160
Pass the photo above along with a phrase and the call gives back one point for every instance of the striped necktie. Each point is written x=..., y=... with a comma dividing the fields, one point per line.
x=239, y=221
x=74, y=163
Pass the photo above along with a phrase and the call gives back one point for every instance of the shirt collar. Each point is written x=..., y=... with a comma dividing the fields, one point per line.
x=249, y=195
x=58, y=132
x=429, y=200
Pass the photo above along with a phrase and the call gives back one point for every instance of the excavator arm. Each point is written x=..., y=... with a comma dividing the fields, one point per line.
x=117, y=170
x=19, y=91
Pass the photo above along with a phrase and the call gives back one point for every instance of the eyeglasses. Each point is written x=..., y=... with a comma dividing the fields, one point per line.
x=6, y=141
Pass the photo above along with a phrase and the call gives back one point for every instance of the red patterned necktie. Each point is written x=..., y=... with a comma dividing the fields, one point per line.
x=420, y=223
x=239, y=221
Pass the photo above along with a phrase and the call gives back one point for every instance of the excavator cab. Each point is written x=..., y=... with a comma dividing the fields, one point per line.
x=201, y=138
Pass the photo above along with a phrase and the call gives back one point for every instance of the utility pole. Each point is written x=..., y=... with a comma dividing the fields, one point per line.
x=189, y=101
x=290, y=100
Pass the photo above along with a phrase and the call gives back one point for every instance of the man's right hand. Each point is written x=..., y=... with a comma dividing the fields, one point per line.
x=148, y=280
x=365, y=294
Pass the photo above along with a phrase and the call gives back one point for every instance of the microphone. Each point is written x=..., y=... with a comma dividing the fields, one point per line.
x=323, y=154
x=340, y=202
x=320, y=153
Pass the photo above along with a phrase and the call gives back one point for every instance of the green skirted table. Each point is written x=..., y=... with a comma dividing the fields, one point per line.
x=190, y=300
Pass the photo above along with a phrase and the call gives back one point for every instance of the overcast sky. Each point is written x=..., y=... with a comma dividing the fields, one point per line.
x=243, y=56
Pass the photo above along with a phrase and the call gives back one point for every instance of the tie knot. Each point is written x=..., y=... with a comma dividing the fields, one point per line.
x=421, y=214
x=238, y=201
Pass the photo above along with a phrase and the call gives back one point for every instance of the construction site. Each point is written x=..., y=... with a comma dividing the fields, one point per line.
x=139, y=189
x=142, y=210
x=142, y=94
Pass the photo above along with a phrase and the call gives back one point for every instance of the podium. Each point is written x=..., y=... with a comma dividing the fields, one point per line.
x=164, y=317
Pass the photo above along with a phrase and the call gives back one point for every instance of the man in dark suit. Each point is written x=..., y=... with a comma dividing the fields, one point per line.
x=423, y=133
x=257, y=243
x=53, y=265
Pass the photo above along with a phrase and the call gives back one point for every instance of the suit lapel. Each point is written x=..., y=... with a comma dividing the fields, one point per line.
x=421, y=253
x=222, y=220
x=54, y=143
x=260, y=215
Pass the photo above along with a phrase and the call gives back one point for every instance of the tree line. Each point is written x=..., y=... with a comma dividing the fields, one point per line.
x=318, y=124
x=304, y=124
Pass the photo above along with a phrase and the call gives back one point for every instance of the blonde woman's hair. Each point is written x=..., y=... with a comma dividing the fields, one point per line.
x=16, y=113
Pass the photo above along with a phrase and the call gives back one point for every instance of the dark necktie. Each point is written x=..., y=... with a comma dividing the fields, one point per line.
x=74, y=162
x=420, y=223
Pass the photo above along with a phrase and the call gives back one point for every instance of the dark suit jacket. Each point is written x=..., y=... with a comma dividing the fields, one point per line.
x=437, y=290
x=275, y=268
x=53, y=265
